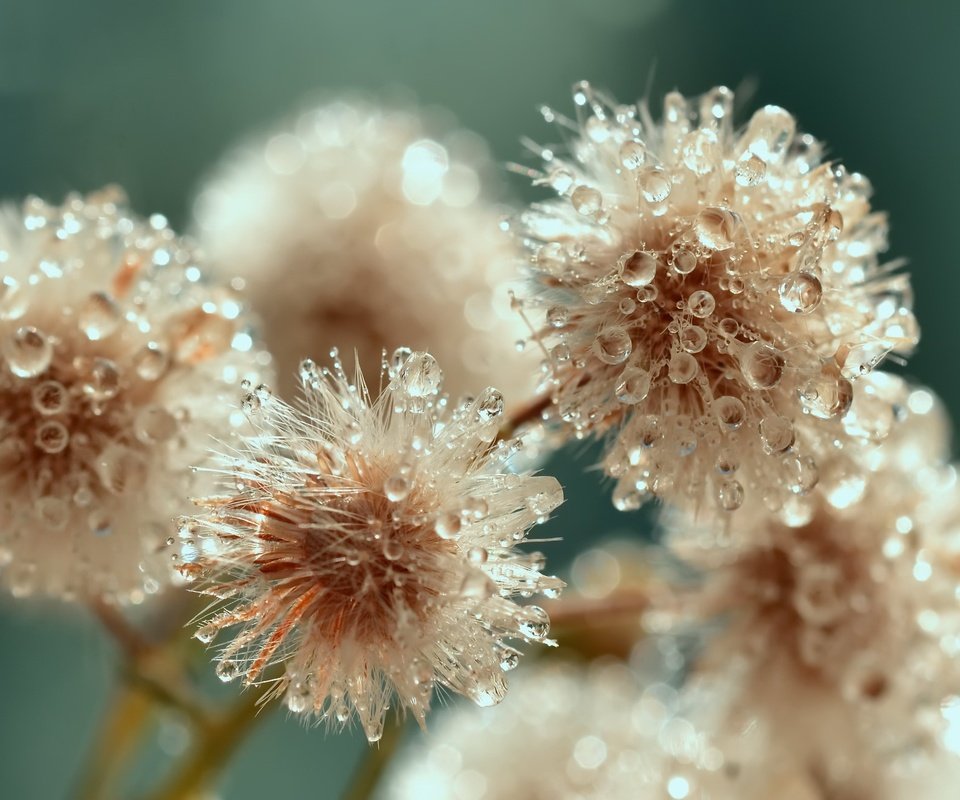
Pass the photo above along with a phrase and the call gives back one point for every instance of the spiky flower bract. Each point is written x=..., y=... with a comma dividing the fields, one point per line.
x=368, y=228
x=114, y=355
x=710, y=294
x=844, y=625
x=370, y=546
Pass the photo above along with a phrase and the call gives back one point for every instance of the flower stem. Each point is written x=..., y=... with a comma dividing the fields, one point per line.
x=521, y=416
x=367, y=775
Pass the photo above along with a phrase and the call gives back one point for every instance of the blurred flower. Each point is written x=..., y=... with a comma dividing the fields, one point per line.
x=354, y=227
x=370, y=546
x=844, y=623
x=709, y=294
x=114, y=358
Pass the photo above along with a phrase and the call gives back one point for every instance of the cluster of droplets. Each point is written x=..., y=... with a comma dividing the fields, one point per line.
x=368, y=228
x=852, y=605
x=369, y=544
x=112, y=353
x=711, y=295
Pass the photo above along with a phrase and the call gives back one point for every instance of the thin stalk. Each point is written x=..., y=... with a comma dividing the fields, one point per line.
x=367, y=775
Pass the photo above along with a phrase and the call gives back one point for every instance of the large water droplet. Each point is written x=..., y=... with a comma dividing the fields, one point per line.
x=827, y=396
x=684, y=261
x=534, y=623
x=586, y=200
x=693, y=338
x=730, y=495
x=396, y=487
x=228, y=670
x=683, y=368
x=420, y=376
x=633, y=386
x=102, y=379
x=154, y=424
x=613, y=345
x=50, y=397
x=151, y=361
x=716, y=228
x=52, y=437
x=489, y=405
x=730, y=411
x=99, y=316
x=638, y=268
x=762, y=365
x=28, y=352
x=800, y=292
x=448, y=525
x=655, y=185
x=750, y=170
x=768, y=133
x=477, y=586
x=633, y=154
x=776, y=434
x=557, y=316
x=701, y=303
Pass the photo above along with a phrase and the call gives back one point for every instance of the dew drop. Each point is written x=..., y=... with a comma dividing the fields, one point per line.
x=489, y=693
x=206, y=633
x=730, y=411
x=154, y=424
x=627, y=306
x=475, y=508
x=509, y=659
x=102, y=380
x=633, y=155
x=99, y=316
x=613, y=345
x=534, y=623
x=392, y=549
x=586, y=200
x=396, y=488
x=633, y=386
x=762, y=365
x=420, y=375
x=693, y=338
x=701, y=303
x=655, y=185
x=50, y=397
x=28, y=352
x=477, y=586
x=557, y=316
x=802, y=474
x=776, y=434
x=151, y=361
x=477, y=556
x=800, y=292
x=716, y=228
x=490, y=405
x=638, y=268
x=684, y=261
x=683, y=368
x=13, y=299
x=750, y=170
x=768, y=133
x=730, y=495
x=448, y=525
x=827, y=396
x=52, y=437
x=228, y=670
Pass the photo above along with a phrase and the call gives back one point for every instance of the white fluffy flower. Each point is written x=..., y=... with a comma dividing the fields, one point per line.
x=114, y=357
x=369, y=545
x=355, y=227
x=710, y=294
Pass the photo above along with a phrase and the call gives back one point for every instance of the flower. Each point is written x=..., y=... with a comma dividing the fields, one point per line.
x=355, y=227
x=369, y=544
x=843, y=623
x=114, y=355
x=710, y=294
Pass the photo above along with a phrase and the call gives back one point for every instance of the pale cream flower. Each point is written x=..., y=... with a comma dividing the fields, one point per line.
x=115, y=356
x=370, y=546
x=358, y=227
x=710, y=294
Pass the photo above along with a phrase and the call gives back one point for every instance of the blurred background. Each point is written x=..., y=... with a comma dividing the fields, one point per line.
x=149, y=95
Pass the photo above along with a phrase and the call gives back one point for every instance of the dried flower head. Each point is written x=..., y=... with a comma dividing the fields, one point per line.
x=370, y=546
x=114, y=354
x=853, y=607
x=710, y=294
x=355, y=227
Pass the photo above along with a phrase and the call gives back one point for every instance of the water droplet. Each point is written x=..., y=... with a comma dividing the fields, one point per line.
x=730, y=495
x=613, y=345
x=490, y=693
x=693, y=338
x=477, y=586
x=52, y=437
x=800, y=292
x=586, y=200
x=534, y=623
x=490, y=405
x=716, y=228
x=776, y=434
x=50, y=397
x=730, y=411
x=228, y=670
x=638, y=268
x=396, y=488
x=827, y=396
x=392, y=548
x=28, y=352
x=206, y=633
x=655, y=185
x=119, y=468
x=509, y=659
x=475, y=508
x=151, y=361
x=102, y=380
x=627, y=306
x=633, y=386
x=477, y=556
x=701, y=303
x=420, y=375
x=683, y=368
x=557, y=316
x=154, y=424
x=99, y=316
x=684, y=261
x=13, y=299
x=448, y=525
x=700, y=151
x=762, y=365
x=768, y=133
x=750, y=170
x=802, y=474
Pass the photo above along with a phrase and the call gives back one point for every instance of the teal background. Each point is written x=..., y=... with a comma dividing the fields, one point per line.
x=148, y=95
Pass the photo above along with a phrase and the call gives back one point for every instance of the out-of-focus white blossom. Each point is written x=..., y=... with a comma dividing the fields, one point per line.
x=357, y=227
x=710, y=296
x=115, y=354
x=370, y=546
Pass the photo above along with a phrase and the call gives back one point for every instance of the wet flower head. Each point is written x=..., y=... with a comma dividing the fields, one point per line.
x=368, y=228
x=711, y=293
x=369, y=545
x=114, y=352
